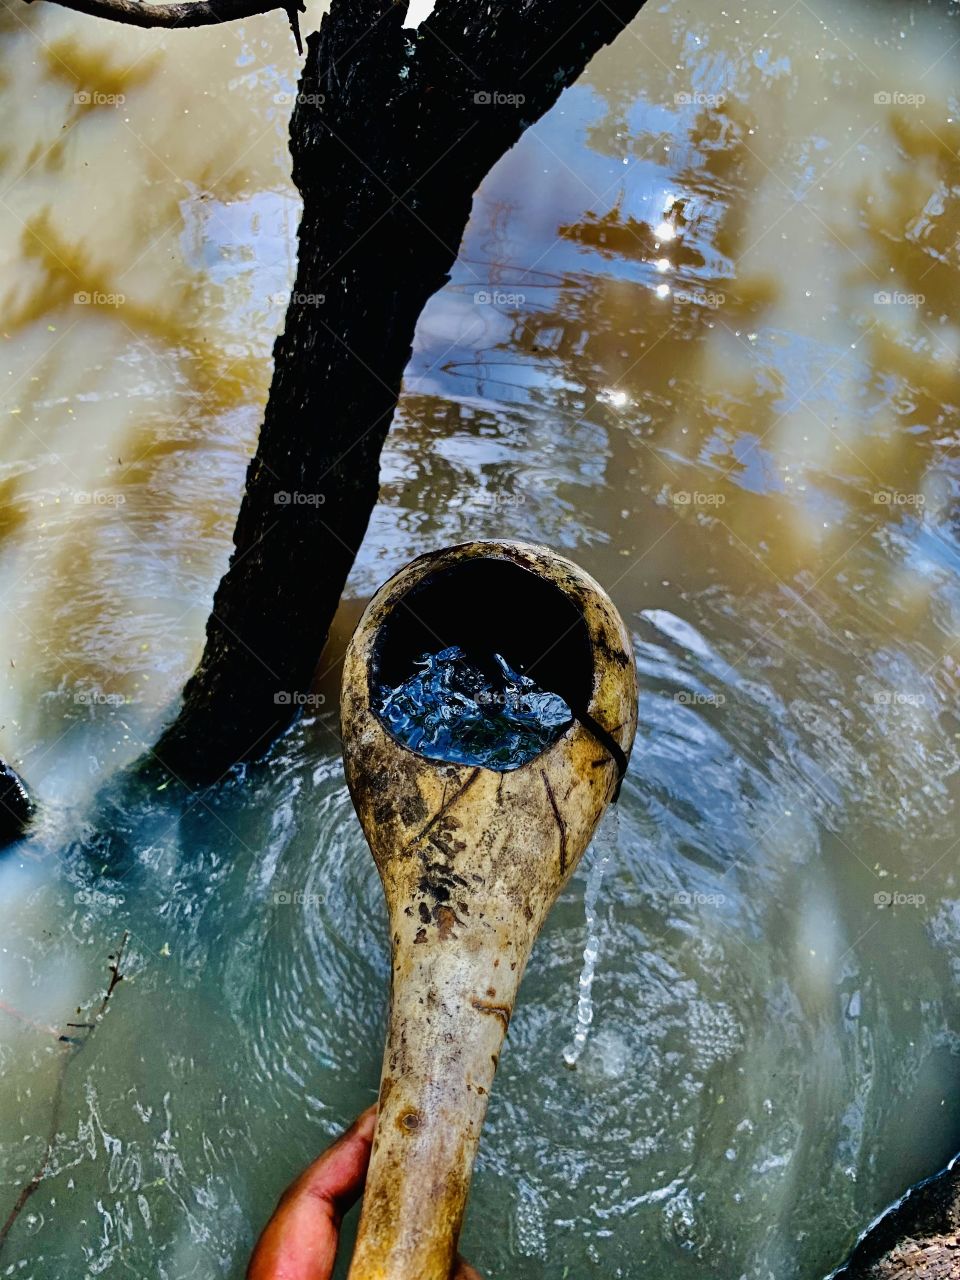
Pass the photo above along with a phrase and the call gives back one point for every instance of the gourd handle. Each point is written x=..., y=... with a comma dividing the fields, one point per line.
x=450, y=1005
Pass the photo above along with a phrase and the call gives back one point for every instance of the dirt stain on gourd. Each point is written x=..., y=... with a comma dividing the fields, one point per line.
x=500, y=1011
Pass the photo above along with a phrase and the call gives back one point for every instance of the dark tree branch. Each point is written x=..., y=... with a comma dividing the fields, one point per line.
x=192, y=13
x=392, y=133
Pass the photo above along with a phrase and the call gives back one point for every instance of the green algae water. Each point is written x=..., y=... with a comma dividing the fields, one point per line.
x=701, y=337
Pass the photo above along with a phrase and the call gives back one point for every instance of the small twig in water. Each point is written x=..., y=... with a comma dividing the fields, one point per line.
x=73, y=1044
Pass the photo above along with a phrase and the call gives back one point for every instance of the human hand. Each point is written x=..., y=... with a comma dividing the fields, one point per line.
x=300, y=1240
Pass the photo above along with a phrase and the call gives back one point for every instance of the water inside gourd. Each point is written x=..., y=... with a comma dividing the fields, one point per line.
x=472, y=710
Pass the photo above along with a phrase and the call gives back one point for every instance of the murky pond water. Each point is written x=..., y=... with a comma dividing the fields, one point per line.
x=700, y=338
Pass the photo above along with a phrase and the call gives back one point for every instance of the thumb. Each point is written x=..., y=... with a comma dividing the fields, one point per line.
x=300, y=1240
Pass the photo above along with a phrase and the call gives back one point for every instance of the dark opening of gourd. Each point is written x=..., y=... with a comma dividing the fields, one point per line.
x=481, y=663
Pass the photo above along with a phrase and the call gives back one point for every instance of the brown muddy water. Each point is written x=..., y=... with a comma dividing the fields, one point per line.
x=701, y=338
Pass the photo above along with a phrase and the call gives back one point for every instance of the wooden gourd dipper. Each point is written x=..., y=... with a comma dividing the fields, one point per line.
x=471, y=859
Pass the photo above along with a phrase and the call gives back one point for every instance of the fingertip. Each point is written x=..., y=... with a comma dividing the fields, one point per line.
x=367, y=1123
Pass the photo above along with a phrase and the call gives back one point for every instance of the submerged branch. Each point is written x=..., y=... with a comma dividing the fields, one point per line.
x=72, y=1046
